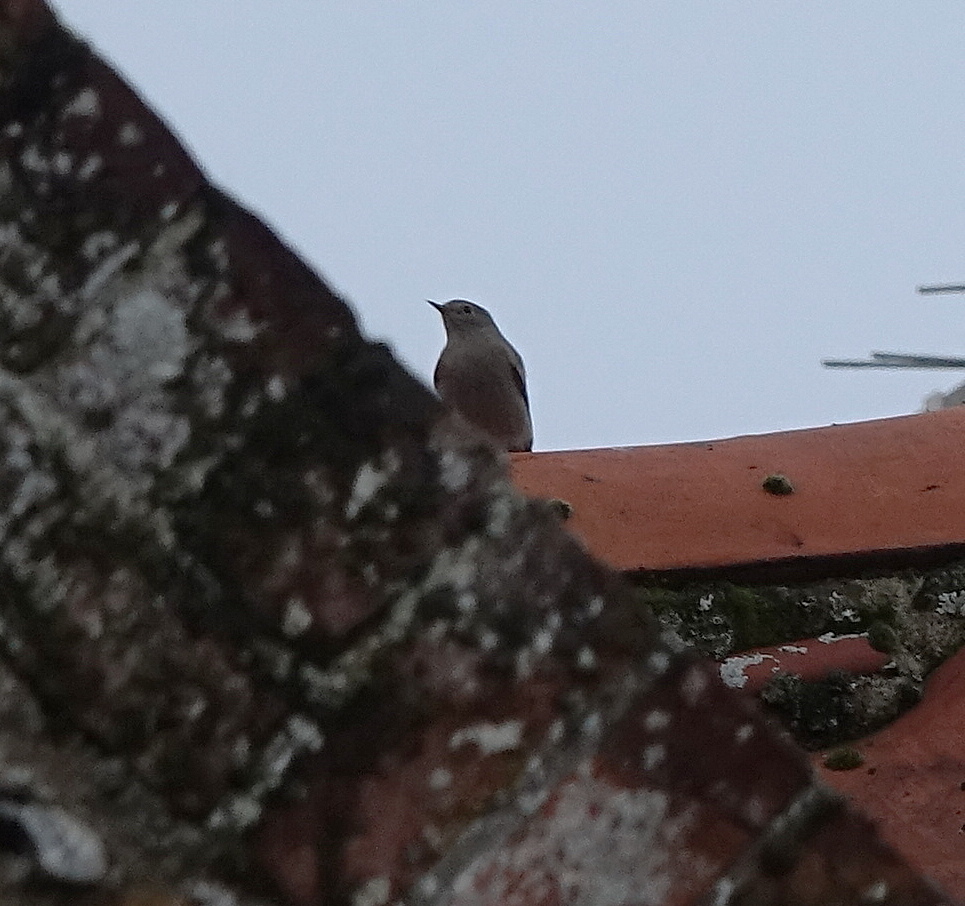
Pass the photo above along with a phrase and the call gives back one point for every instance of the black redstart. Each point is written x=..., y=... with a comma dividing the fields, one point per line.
x=481, y=376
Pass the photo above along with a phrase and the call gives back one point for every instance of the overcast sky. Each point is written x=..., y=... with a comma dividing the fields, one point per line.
x=673, y=208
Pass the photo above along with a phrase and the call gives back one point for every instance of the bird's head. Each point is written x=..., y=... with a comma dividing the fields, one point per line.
x=460, y=316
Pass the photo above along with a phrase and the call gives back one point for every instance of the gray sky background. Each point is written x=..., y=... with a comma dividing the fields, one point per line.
x=673, y=208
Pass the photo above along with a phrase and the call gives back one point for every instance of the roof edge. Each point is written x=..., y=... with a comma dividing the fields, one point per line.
x=798, y=570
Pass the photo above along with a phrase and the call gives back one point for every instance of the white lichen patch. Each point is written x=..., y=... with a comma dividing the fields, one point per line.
x=466, y=602
x=61, y=163
x=489, y=738
x=542, y=641
x=237, y=327
x=658, y=662
x=130, y=134
x=594, y=607
x=455, y=470
x=842, y=608
x=97, y=244
x=369, y=480
x=706, y=602
x=33, y=159
x=264, y=508
x=440, y=779
x=586, y=658
x=89, y=167
x=592, y=725
x=454, y=568
x=100, y=487
x=104, y=409
x=195, y=708
x=374, y=892
x=298, y=736
x=427, y=887
x=829, y=638
x=305, y=733
x=238, y=813
x=487, y=639
x=297, y=618
x=595, y=845
x=108, y=269
x=532, y=799
x=876, y=893
x=205, y=892
x=951, y=603
x=524, y=662
x=500, y=516
x=722, y=892
x=63, y=847
x=653, y=756
x=127, y=354
x=732, y=669
x=656, y=721
x=86, y=103
x=276, y=388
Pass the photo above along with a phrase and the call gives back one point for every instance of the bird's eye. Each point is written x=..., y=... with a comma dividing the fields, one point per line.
x=466, y=309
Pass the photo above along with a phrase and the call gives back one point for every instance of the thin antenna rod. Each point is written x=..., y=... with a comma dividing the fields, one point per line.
x=856, y=363
x=898, y=360
x=942, y=288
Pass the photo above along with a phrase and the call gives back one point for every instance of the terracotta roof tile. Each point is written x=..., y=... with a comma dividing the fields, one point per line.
x=912, y=781
x=890, y=486
x=811, y=659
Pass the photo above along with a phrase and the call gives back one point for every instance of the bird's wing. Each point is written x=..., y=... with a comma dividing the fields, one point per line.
x=519, y=374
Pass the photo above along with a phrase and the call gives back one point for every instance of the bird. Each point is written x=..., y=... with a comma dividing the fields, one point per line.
x=481, y=376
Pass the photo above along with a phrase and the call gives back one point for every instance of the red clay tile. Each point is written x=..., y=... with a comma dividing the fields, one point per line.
x=811, y=659
x=912, y=781
x=879, y=487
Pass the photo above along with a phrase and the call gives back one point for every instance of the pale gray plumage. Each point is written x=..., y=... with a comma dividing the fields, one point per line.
x=482, y=377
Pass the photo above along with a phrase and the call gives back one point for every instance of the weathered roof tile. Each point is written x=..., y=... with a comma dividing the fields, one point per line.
x=861, y=491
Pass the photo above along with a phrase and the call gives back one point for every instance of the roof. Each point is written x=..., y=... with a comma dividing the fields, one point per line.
x=300, y=631
x=879, y=494
x=884, y=491
x=912, y=779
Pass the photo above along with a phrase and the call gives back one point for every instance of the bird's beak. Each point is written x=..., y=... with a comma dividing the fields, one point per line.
x=435, y=305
